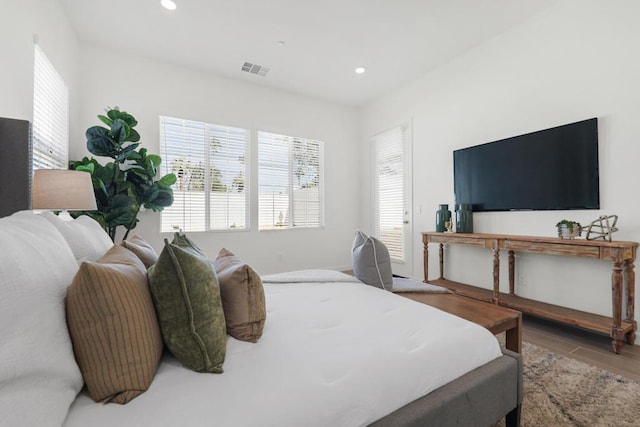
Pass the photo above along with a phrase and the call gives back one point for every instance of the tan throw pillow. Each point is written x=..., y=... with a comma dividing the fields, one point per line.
x=186, y=295
x=142, y=249
x=113, y=326
x=242, y=297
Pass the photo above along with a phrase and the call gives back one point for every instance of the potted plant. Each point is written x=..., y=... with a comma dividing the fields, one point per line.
x=127, y=184
x=569, y=229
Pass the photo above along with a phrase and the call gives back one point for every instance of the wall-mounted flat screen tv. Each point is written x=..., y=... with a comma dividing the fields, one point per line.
x=552, y=169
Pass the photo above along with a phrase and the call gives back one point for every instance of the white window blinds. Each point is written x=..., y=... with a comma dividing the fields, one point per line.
x=209, y=161
x=290, y=182
x=50, y=132
x=389, y=190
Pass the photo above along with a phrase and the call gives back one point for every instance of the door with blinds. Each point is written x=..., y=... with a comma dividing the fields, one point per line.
x=392, y=195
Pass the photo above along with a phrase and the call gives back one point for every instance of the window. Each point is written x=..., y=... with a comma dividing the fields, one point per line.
x=209, y=162
x=290, y=184
x=391, y=213
x=50, y=133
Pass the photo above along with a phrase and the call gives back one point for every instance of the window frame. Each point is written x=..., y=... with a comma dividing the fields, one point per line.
x=209, y=130
x=290, y=225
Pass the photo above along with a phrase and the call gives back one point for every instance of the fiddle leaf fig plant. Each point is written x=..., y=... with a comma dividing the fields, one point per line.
x=127, y=184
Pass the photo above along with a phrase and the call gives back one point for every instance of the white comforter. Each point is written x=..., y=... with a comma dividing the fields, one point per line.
x=337, y=353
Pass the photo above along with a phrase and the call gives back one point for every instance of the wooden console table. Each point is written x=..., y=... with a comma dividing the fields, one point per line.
x=621, y=254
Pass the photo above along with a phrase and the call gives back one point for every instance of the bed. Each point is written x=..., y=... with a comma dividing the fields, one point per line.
x=334, y=352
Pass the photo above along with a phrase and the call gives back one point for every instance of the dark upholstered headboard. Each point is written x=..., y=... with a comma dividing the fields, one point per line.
x=15, y=166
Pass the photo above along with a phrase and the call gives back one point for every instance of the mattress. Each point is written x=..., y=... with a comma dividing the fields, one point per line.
x=334, y=352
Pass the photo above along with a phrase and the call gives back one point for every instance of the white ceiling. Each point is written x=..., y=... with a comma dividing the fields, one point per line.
x=396, y=40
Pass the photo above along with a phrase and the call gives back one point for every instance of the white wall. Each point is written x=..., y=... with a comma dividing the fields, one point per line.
x=19, y=22
x=577, y=60
x=147, y=89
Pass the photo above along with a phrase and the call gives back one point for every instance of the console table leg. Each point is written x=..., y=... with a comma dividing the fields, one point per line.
x=425, y=261
x=496, y=275
x=512, y=272
x=616, y=303
x=630, y=284
x=441, y=254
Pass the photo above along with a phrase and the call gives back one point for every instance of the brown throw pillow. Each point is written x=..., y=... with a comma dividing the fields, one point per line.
x=186, y=295
x=113, y=326
x=242, y=297
x=142, y=249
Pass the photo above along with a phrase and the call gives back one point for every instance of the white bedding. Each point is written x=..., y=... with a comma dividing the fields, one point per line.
x=333, y=353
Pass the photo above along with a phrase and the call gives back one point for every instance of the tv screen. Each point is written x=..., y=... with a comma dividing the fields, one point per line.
x=552, y=169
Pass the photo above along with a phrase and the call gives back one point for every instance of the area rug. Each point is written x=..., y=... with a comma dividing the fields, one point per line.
x=560, y=391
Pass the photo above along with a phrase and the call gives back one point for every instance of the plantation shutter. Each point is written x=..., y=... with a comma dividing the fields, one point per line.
x=389, y=190
x=306, y=183
x=182, y=144
x=50, y=131
x=229, y=186
x=289, y=175
x=209, y=162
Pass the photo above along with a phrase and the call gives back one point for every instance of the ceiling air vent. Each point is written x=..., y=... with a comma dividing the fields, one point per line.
x=255, y=69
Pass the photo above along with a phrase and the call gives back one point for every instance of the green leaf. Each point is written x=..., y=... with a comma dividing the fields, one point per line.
x=167, y=180
x=99, y=184
x=134, y=155
x=120, y=201
x=86, y=168
x=163, y=199
x=106, y=120
x=96, y=131
x=100, y=142
x=128, y=118
x=101, y=146
x=120, y=131
x=74, y=164
x=134, y=136
x=151, y=193
x=113, y=113
x=126, y=151
x=155, y=159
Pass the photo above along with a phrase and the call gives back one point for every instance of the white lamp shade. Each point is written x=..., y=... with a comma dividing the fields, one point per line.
x=57, y=189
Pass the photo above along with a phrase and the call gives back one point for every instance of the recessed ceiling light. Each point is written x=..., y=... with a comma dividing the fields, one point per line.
x=360, y=70
x=168, y=4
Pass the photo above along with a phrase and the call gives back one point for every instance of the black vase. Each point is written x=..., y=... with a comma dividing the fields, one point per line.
x=464, y=219
x=443, y=214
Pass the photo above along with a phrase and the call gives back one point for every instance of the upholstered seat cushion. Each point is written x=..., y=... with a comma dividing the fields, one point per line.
x=242, y=297
x=113, y=326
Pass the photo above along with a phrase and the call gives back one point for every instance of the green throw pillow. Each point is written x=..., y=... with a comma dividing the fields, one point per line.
x=182, y=240
x=186, y=294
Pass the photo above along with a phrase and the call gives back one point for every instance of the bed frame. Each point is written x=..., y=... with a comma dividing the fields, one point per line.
x=479, y=398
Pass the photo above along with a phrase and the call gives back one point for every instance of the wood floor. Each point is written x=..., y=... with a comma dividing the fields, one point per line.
x=588, y=347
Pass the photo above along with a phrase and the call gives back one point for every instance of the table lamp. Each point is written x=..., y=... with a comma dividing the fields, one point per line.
x=62, y=190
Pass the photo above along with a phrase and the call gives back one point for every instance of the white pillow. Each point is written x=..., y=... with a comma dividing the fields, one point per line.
x=39, y=377
x=371, y=261
x=88, y=241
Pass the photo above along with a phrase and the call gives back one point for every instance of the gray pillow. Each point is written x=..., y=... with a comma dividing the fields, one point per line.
x=371, y=261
